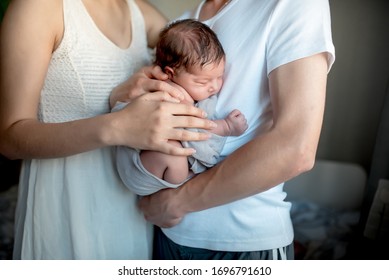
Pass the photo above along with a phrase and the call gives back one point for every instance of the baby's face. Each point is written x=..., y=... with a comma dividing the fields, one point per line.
x=201, y=83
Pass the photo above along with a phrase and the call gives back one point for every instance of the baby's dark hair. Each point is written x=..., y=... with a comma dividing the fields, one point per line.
x=185, y=43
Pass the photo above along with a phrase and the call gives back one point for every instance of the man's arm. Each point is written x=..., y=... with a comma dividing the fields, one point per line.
x=287, y=149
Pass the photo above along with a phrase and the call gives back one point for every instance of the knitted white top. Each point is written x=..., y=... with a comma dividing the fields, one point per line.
x=87, y=65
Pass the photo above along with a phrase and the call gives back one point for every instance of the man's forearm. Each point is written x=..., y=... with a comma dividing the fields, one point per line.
x=254, y=168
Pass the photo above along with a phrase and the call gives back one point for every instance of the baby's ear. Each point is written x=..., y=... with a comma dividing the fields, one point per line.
x=169, y=71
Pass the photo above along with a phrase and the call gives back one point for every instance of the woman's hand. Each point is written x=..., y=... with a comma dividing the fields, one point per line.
x=148, y=123
x=148, y=79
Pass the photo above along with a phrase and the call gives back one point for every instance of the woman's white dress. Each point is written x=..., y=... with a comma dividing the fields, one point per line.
x=76, y=207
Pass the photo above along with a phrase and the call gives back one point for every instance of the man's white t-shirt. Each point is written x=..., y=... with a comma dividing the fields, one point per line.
x=258, y=36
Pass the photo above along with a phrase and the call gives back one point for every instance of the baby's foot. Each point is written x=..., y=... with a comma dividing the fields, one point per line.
x=236, y=122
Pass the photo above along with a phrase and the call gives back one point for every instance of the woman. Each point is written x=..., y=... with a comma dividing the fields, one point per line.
x=60, y=60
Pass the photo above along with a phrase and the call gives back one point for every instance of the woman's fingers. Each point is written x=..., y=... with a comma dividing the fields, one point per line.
x=187, y=121
x=154, y=72
x=170, y=149
x=147, y=80
x=153, y=123
x=159, y=96
x=154, y=80
x=167, y=108
x=162, y=86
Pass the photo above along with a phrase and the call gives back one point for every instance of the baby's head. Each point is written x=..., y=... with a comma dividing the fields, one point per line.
x=191, y=54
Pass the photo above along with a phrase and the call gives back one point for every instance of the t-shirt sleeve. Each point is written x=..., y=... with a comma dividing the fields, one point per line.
x=299, y=29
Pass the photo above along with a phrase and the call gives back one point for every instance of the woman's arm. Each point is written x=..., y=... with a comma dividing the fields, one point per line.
x=30, y=32
x=287, y=149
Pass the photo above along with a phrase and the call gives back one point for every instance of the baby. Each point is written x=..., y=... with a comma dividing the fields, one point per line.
x=192, y=56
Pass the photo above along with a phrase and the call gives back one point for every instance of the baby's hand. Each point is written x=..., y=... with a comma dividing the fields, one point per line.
x=237, y=123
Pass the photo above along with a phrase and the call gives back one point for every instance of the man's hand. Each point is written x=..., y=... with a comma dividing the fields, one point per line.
x=159, y=208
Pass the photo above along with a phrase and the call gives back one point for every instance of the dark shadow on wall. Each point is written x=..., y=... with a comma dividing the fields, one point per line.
x=3, y=7
x=9, y=178
x=9, y=175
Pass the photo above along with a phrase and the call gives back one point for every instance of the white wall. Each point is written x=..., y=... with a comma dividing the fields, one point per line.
x=174, y=8
x=358, y=80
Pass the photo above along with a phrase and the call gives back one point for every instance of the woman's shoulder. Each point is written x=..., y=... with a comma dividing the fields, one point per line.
x=38, y=7
x=42, y=12
x=154, y=21
x=45, y=16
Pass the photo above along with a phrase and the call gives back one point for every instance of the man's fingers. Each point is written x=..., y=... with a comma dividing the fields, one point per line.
x=154, y=211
